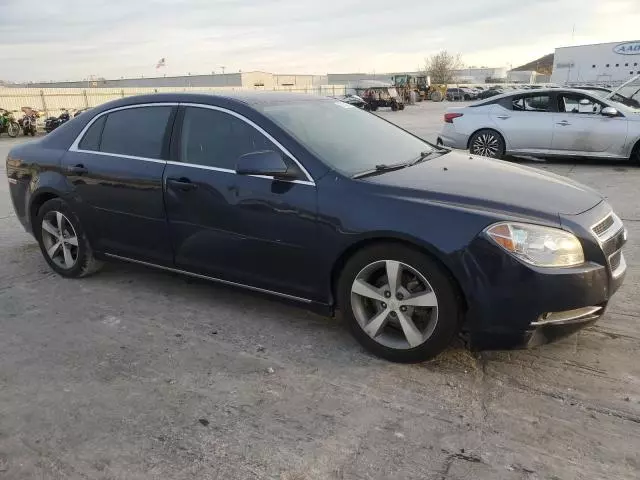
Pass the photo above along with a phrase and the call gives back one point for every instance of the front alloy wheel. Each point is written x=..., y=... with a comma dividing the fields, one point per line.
x=394, y=304
x=398, y=302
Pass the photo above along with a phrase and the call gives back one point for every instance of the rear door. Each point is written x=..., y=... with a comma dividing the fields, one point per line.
x=580, y=128
x=116, y=167
x=252, y=230
x=526, y=121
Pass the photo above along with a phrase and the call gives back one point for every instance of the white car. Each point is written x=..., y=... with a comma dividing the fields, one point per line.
x=554, y=122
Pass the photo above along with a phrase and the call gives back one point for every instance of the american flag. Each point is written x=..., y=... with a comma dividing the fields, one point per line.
x=161, y=63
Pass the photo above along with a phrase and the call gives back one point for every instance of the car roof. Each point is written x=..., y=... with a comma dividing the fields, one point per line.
x=250, y=98
x=533, y=92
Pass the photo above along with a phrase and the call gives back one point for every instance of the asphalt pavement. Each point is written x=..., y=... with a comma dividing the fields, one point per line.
x=139, y=374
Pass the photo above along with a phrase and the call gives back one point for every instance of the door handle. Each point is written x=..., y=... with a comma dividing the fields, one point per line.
x=563, y=123
x=183, y=184
x=503, y=117
x=77, y=169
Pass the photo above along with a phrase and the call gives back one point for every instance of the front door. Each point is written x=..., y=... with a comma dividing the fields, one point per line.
x=116, y=169
x=527, y=125
x=257, y=231
x=580, y=128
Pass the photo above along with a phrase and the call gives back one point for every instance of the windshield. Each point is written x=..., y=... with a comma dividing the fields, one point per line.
x=346, y=138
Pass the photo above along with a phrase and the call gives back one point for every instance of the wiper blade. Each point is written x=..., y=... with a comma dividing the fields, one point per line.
x=381, y=168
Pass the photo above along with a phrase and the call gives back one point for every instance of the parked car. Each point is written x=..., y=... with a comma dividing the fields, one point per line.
x=322, y=204
x=492, y=92
x=545, y=123
x=457, y=94
x=377, y=97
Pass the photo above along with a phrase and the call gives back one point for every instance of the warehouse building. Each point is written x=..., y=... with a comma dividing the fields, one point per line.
x=602, y=63
x=255, y=79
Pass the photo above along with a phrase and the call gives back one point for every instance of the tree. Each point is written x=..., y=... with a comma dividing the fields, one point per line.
x=441, y=67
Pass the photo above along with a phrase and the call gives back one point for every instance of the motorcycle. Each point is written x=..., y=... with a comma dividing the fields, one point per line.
x=52, y=123
x=8, y=123
x=28, y=122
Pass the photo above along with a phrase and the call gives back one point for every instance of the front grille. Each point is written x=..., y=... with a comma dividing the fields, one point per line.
x=611, y=236
x=603, y=226
x=614, y=244
x=614, y=260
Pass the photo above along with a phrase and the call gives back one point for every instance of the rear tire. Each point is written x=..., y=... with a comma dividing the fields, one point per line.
x=635, y=155
x=487, y=143
x=62, y=240
x=424, y=295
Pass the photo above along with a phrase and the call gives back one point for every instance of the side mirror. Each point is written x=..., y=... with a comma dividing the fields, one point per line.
x=609, y=112
x=265, y=162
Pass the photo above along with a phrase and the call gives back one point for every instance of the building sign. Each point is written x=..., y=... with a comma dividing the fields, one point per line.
x=628, y=48
x=565, y=65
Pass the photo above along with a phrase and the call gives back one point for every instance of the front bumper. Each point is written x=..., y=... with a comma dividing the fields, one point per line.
x=515, y=305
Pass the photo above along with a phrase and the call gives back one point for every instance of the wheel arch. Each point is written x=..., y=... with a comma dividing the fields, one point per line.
x=410, y=242
x=38, y=199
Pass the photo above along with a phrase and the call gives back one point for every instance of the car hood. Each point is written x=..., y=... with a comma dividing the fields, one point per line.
x=483, y=183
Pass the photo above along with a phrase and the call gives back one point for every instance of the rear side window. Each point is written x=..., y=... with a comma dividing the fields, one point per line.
x=91, y=139
x=538, y=103
x=216, y=139
x=138, y=132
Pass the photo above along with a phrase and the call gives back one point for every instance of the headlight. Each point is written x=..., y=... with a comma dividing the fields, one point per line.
x=537, y=245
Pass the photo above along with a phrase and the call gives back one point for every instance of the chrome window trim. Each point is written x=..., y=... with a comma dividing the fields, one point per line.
x=75, y=145
x=119, y=155
x=233, y=172
x=212, y=279
x=261, y=130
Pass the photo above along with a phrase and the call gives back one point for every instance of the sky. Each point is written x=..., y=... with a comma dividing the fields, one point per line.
x=76, y=39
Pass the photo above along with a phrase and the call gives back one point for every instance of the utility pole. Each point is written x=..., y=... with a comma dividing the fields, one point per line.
x=222, y=67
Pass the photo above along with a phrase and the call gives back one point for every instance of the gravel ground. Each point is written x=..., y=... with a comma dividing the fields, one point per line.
x=135, y=374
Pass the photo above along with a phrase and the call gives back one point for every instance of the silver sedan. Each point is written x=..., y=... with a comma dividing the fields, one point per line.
x=552, y=122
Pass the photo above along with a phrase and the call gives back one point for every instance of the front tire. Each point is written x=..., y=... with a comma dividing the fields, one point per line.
x=62, y=240
x=398, y=303
x=13, y=129
x=487, y=143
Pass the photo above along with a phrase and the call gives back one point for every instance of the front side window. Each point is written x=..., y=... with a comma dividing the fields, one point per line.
x=537, y=103
x=344, y=137
x=217, y=139
x=139, y=132
x=571, y=103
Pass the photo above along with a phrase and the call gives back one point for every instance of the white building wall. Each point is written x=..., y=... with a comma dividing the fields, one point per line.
x=603, y=63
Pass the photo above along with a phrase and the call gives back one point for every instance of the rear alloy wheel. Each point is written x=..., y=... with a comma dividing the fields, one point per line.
x=398, y=303
x=62, y=240
x=487, y=143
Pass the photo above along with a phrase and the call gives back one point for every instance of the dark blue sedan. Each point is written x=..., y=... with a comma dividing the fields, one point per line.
x=321, y=203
